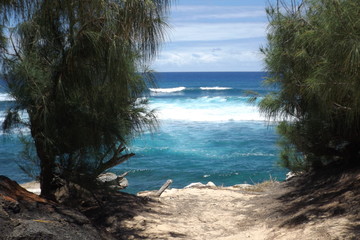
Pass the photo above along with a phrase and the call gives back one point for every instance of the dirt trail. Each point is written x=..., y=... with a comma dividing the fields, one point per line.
x=320, y=206
x=231, y=213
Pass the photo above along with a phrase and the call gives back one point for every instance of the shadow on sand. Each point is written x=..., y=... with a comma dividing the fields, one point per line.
x=330, y=193
x=115, y=209
x=120, y=207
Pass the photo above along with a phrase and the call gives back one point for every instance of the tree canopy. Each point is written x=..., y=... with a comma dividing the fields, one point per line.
x=77, y=69
x=313, y=58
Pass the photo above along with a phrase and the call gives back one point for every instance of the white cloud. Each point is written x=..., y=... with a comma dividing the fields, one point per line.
x=181, y=58
x=226, y=58
x=216, y=31
x=214, y=38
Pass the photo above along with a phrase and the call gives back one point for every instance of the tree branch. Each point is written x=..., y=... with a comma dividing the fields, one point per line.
x=115, y=159
x=342, y=107
x=14, y=48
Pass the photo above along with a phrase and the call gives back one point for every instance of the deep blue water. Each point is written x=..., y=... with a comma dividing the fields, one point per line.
x=208, y=132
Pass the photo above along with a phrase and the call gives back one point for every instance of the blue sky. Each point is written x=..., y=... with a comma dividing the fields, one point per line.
x=214, y=35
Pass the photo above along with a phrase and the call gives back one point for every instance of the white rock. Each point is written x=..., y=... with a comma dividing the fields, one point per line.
x=113, y=181
x=210, y=184
x=123, y=183
x=107, y=177
x=195, y=185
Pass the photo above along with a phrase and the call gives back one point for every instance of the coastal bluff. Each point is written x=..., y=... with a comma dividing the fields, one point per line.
x=324, y=206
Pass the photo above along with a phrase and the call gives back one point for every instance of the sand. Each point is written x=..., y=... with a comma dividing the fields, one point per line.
x=200, y=214
x=230, y=213
x=33, y=187
x=322, y=208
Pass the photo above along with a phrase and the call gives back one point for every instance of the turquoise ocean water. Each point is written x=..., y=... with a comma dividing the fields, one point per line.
x=208, y=132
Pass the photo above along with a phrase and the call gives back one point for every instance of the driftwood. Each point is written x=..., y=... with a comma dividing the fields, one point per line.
x=163, y=188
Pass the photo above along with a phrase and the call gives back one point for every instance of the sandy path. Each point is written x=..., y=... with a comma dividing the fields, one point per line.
x=325, y=209
x=225, y=214
x=197, y=214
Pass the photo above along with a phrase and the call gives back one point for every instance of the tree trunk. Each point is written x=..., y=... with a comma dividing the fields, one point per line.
x=47, y=176
x=47, y=180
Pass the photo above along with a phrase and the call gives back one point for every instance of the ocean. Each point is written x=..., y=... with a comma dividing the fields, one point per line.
x=208, y=131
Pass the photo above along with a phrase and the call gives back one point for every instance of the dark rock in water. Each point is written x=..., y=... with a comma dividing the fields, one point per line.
x=24, y=215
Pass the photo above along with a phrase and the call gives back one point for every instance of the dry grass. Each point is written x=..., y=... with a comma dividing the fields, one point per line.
x=263, y=186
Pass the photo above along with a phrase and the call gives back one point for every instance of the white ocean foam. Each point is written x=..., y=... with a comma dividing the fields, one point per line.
x=215, y=88
x=6, y=97
x=167, y=90
x=207, y=99
x=257, y=154
x=207, y=109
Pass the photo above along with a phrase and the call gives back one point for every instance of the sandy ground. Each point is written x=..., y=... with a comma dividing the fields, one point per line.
x=324, y=209
x=200, y=214
x=33, y=187
x=229, y=213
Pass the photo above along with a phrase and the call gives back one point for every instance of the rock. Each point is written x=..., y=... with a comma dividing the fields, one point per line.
x=9, y=205
x=24, y=215
x=73, y=216
x=110, y=220
x=62, y=194
x=72, y=194
x=113, y=181
x=27, y=229
x=195, y=185
x=200, y=185
x=210, y=184
x=3, y=213
x=50, y=230
x=107, y=177
x=123, y=183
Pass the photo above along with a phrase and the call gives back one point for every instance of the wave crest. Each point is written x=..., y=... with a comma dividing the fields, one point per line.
x=207, y=109
x=167, y=90
x=215, y=88
x=6, y=97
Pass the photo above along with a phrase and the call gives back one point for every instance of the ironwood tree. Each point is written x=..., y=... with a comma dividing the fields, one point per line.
x=78, y=69
x=313, y=59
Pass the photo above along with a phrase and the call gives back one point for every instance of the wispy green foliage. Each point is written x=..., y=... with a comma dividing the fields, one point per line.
x=313, y=56
x=76, y=68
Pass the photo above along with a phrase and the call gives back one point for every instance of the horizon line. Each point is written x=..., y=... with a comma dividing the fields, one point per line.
x=206, y=71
